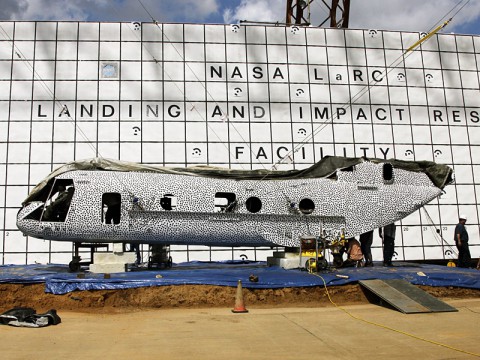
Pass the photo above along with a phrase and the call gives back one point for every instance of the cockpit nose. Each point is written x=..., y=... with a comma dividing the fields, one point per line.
x=31, y=211
x=28, y=218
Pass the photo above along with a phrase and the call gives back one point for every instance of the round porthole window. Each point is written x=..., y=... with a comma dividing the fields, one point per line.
x=306, y=206
x=253, y=204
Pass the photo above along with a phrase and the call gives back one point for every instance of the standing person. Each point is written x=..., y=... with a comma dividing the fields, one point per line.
x=461, y=241
x=112, y=215
x=136, y=247
x=388, y=237
x=366, y=240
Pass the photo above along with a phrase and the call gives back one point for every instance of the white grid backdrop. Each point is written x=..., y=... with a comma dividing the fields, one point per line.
x=239, y=97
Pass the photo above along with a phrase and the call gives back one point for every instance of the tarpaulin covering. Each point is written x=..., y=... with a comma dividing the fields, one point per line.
x=59, y=281
x=32, y=274
x=440, y=174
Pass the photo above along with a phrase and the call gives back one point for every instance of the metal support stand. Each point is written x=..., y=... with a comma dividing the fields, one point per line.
x=160, y=257
x=75, y=265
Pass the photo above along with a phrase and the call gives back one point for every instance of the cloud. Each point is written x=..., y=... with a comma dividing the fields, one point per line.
x=198, y=10
x=407, y=15
x=51, y=9
x=109, y=10
x=10, y=7
x=256, y=10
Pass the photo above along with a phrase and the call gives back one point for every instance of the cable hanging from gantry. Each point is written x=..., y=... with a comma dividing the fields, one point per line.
x=460, y=7
x=429, y=35
x=225, y=117
x=224, y=112
x=397, y=62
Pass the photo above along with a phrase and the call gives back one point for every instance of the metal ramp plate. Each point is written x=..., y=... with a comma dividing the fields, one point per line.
x=405, y=297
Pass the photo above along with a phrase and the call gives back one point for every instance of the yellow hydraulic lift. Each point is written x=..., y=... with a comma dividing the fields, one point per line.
x=313, y=251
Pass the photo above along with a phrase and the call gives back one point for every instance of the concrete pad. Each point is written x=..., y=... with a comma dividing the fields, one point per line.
x=118, y=248
x=283, y=333
x=286, y=263
x=107, y=268
x=114, y=258
x=113, y=262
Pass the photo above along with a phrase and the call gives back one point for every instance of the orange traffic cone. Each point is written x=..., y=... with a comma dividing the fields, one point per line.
x=239, y=305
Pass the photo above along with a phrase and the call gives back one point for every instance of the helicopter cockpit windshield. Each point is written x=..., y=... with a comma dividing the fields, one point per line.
x=56, y=198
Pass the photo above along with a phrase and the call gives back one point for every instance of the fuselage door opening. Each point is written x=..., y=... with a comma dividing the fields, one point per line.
x=111, y=208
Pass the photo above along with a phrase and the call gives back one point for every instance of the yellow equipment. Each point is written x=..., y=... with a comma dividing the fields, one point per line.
x=309, y=248
x=313, y=249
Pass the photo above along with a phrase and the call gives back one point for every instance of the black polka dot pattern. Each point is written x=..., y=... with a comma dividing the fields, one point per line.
x=355, y=200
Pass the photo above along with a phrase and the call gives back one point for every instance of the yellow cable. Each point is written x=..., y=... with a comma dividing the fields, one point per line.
x=429, y=35
x=390, y=328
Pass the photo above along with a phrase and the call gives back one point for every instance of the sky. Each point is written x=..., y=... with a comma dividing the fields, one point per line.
x=407, y=15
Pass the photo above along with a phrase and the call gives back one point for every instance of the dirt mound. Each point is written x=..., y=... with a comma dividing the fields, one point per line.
x=193, y=296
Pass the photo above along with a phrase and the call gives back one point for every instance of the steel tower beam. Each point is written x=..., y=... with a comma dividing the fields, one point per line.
x=295, y=12
x=338, y=13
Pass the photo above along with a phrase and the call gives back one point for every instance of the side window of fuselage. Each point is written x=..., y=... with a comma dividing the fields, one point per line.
x=387, y=173
x=168, y=202
x=111, y=208
x=225, y=202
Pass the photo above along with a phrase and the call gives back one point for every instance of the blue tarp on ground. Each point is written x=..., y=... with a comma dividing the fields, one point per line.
x=58, y=280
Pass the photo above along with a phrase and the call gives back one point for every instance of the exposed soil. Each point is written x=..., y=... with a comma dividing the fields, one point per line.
x=194, y=296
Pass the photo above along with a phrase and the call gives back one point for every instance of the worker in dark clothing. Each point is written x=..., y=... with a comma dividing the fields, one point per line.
x=388, y=236
x=50, y=213
x=112, y=216
x=58, y=209
x=63, y=203
x=136, y=247
x=461, y=240
x=366, y=240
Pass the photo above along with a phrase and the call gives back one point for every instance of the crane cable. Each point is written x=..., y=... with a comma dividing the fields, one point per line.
x=355, y=98
x=63, y=107
x=442, y=242
x=389, y=68
x=225, y=117
x=287, y=198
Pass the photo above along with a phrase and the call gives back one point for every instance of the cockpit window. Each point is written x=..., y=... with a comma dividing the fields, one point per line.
x=58, y=201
